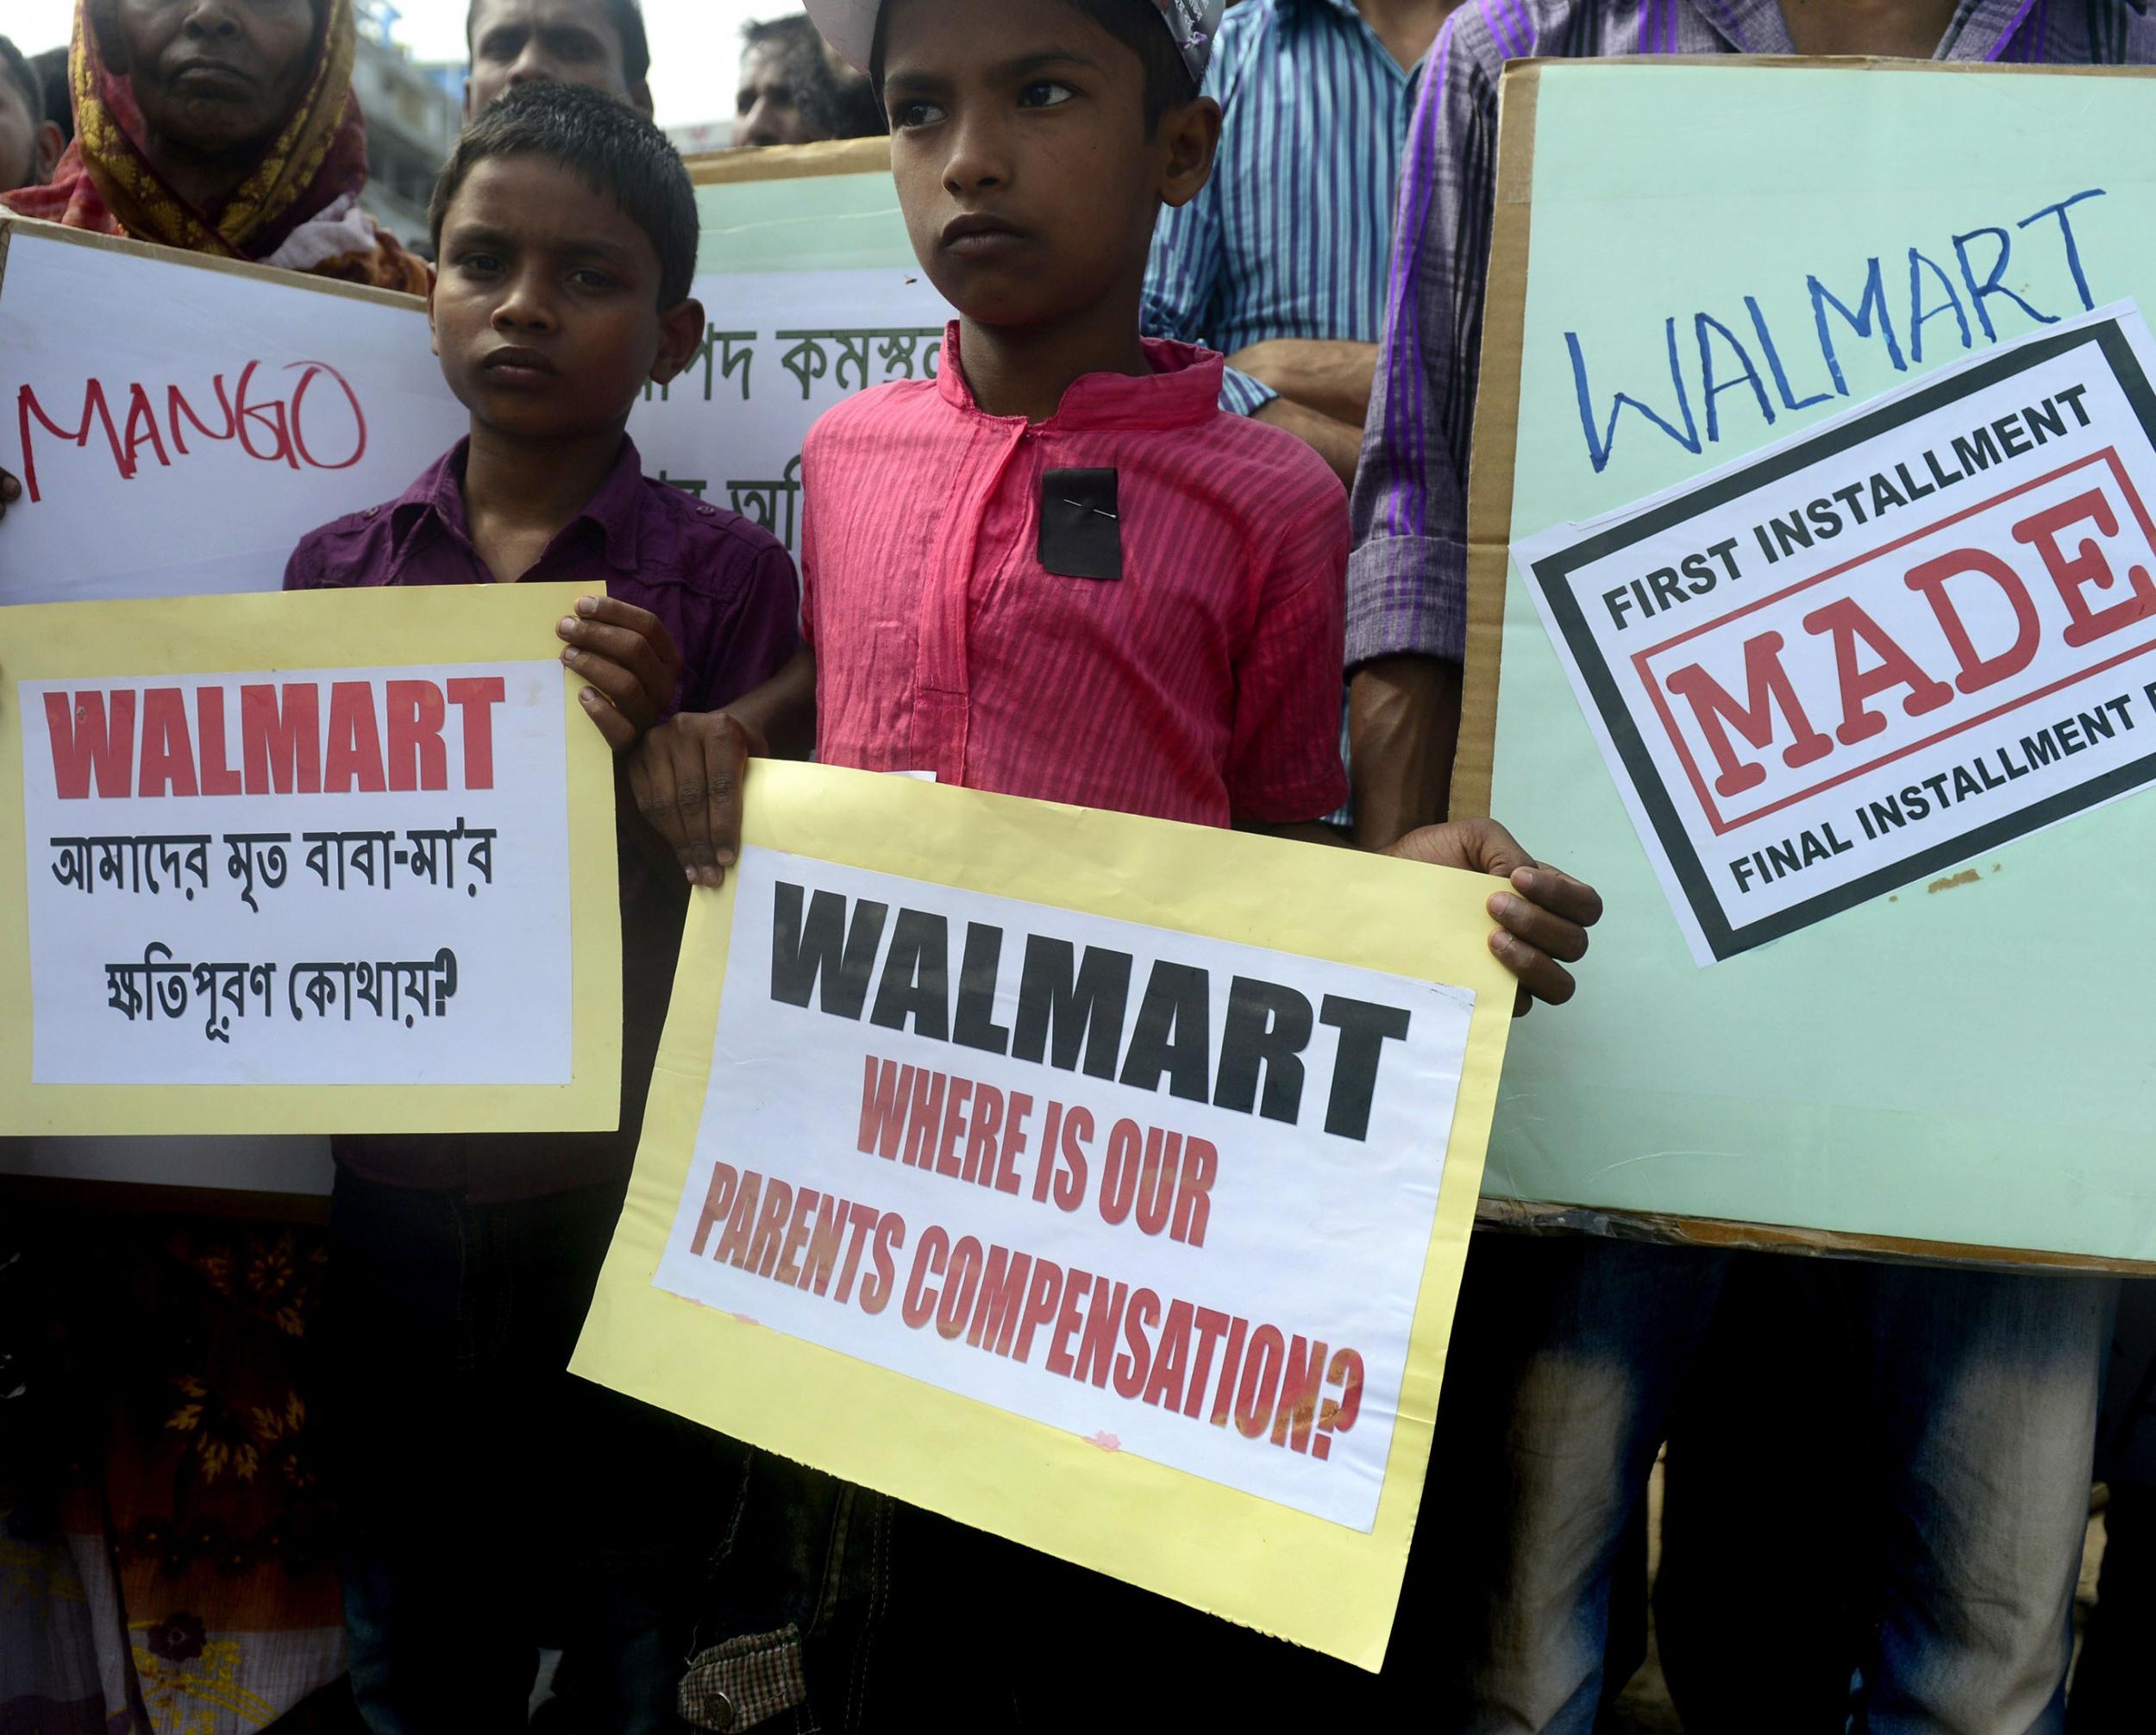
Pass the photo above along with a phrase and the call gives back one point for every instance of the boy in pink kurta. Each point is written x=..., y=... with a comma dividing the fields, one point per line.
x=1055, y=570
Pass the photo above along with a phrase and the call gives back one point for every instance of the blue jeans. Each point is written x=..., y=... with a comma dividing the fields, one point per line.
x=1983, y=1387
x=490, y=1501
x=1968, y=1410
x=1566, y=1356
x=2110, y=1693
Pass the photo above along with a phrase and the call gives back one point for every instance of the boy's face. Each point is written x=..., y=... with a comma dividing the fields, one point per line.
x=546, y=308
x=560, y=41
x=1019, y=146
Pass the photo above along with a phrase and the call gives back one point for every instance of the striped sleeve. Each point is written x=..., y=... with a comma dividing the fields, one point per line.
x=1183, y=280
x=1407, y=577
x=1245, y=394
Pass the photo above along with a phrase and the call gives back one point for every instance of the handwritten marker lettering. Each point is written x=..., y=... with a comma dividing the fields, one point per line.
x=314, y=421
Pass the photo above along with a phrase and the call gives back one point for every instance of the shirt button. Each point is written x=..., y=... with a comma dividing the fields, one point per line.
x=371, y=512
x=719, y=1712
x=708, y=511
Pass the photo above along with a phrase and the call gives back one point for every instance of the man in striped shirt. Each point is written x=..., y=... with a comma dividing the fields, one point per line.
x=1980, y=1389
x=1280, y=263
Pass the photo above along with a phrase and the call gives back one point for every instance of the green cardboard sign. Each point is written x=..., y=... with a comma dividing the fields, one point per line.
x=1695, y=260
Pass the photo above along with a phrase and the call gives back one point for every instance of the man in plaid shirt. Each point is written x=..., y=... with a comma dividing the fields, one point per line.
x=1983, y=1387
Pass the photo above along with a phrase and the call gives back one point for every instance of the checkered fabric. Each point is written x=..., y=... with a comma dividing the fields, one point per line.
x=745, y=1682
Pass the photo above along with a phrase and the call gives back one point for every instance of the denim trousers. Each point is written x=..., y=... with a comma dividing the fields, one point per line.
x=491, y=1502
x=2111, y=1694
x=1959, y=1411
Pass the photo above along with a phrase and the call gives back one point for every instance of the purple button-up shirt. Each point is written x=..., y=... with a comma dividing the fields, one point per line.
x=727, y=593
x=725, y=589
x=1408, y=578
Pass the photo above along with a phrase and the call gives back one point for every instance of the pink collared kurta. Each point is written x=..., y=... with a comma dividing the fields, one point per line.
x=1202, y=685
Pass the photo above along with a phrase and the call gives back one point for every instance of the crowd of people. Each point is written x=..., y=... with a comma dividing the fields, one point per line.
x=1121, y=199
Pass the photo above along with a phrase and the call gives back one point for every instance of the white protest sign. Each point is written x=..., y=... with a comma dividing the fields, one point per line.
x=360, y=810
x=1077, y=1169
x=178, y=425
x=779, y=349
x=1869, y=652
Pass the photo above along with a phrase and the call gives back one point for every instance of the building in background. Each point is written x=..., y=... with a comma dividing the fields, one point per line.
x=413, y=115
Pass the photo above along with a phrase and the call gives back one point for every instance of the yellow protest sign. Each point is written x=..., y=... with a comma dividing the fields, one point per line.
x=334, y=862
x=1099, y=1182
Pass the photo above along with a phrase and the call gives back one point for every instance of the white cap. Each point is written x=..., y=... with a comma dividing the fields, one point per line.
x=850, y=26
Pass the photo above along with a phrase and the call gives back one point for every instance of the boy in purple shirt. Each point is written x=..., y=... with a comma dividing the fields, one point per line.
x=487, y=1495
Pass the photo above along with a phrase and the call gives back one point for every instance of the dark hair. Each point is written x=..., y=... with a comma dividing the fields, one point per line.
x=1137, y=24
x=614, y=150
x=51, y=68
x=26, y=81
x=833, y=98
x=626, y=16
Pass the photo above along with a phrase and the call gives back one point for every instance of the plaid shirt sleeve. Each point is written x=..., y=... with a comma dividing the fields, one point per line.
x=1407, y=577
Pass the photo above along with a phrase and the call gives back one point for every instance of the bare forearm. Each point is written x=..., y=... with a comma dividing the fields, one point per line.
x=1299, y=831
x=1339, y=444
x=1331, y=376
x=782, y=711
x=1403, y=729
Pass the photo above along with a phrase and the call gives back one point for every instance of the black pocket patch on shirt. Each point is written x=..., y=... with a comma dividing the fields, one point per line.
x=1081, y=528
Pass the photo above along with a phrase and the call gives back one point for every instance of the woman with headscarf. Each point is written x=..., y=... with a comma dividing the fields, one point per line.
x=223, y=127
x=160, y=1425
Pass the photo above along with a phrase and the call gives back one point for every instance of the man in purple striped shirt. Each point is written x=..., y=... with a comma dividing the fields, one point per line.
x=1980, y=1389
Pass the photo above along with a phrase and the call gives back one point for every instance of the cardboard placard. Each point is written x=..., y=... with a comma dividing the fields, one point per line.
x=1098, y=1181
x=1898, y=1078
x=270, y=872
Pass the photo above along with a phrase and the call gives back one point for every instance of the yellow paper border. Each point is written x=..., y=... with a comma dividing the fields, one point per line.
x=330, y=630
x=1249, y=1559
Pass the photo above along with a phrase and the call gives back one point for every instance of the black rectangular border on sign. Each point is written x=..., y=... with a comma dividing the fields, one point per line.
x=1552, y=574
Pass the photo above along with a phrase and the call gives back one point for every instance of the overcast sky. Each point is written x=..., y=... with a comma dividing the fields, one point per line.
x=694, y=43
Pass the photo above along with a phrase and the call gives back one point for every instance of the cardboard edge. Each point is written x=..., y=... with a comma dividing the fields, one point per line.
x=37, y=230
x=1833, y=62
x=790, y=162
x=1493, y=447
x=1534, y=1218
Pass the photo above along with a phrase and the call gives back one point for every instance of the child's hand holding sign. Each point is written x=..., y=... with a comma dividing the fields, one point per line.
x=630, y=659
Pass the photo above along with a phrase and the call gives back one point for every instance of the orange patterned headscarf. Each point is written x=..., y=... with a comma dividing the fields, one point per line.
x=107, y=181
